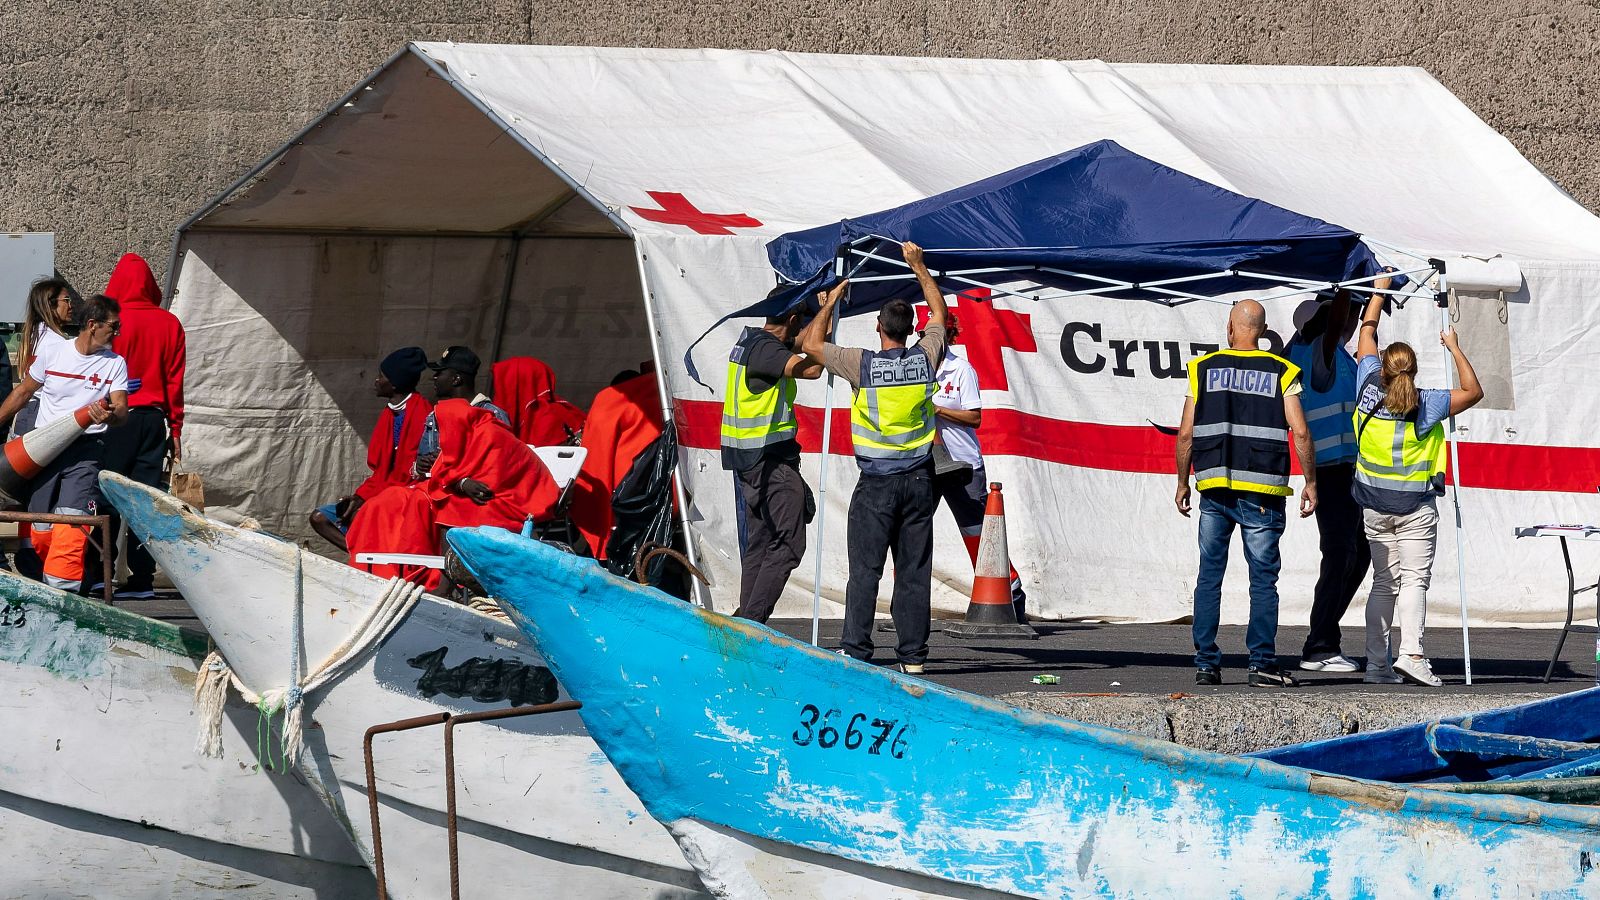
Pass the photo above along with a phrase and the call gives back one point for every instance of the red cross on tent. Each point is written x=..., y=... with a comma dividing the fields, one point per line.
x=677, y=210
x=984, y=330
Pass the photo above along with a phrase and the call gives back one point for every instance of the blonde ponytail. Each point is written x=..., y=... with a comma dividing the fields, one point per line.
x=1399, y=379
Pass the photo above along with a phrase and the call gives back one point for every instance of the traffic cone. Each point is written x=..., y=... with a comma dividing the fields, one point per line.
x=990, y=614
x=26, y=456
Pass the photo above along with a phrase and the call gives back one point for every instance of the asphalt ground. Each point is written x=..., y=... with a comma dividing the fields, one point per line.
x=1159, y=659
x=1102, y=659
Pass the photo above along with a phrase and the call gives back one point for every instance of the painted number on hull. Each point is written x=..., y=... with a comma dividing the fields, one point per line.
x=822, y=728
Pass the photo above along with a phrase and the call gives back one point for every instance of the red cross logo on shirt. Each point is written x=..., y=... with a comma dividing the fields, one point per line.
x=677, y=210
x=984, y=330
x=94, y=380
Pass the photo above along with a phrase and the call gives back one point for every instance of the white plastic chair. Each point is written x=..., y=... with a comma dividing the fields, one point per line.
x=563, y=463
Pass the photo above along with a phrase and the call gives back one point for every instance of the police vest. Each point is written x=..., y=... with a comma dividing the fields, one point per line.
x=750, y=420
x=1328, y=412
x=1241, y=435
x=891, y=420
x=1397, y=471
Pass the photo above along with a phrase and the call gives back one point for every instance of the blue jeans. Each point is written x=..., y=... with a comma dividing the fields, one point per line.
x=1260, y=518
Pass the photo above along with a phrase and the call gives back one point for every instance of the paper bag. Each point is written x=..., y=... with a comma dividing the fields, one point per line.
x=190, y=488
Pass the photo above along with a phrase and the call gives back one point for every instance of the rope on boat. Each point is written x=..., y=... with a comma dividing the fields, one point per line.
x=211, y=689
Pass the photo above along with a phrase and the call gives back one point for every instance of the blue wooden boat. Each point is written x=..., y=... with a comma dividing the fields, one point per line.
x=784, y=770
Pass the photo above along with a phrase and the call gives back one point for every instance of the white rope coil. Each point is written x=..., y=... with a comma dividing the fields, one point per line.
x=211, y=688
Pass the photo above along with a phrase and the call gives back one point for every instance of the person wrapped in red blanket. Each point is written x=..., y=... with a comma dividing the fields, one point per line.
x=526, y=389
x=485, y=475
x=623, y=421
x=393, y=446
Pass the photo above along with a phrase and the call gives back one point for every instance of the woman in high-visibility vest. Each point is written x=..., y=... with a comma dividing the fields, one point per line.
x=1399, y=472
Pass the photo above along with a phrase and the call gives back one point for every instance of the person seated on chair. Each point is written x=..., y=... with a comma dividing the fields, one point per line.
x=623, y=422
x=455, y=375
x=393, y=447
x=526, y=389
x=483, y=475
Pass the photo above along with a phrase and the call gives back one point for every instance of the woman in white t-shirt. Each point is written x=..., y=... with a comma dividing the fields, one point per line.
x=48, y=318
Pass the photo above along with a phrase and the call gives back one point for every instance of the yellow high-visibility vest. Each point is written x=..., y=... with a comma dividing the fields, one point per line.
x=892, y=418
x=750, y=420
x=1395, y=464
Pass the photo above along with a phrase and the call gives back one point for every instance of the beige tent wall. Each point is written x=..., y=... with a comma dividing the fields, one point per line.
x=286, y=330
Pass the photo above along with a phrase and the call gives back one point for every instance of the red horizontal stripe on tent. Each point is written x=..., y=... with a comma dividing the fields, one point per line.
x=1141, y=448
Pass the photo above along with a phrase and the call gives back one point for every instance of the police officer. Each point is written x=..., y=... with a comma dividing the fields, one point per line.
x=759, y=447
x=1329, y=377
x=1243, y=404
x=892, y=429
x=1399, y=470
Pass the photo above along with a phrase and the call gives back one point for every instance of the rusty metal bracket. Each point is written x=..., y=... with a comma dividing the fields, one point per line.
x=449, y=722
x=102, y=522
x=651, y=550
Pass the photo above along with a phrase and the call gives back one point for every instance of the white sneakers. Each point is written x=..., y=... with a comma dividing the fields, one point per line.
x=1417, y=670
x=1336, y=663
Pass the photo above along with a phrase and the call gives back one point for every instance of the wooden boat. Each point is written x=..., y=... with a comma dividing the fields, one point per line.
x=1547, y=750
x=101, y=792
x=785, y=770
x=537, y=803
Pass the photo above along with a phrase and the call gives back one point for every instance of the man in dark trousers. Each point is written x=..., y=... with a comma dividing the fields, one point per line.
x=1242, y=408
x=759, y=447
x=892, y=428
x=152, y=343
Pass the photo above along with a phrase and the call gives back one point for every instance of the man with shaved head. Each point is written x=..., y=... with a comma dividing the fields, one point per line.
x=1242, y=407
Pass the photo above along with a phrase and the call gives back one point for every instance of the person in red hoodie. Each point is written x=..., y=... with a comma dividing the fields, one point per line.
x=526, y=389
x=393, y=446
x=152, y=343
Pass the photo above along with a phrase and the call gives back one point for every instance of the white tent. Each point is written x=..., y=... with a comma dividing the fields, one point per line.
x=524, y=200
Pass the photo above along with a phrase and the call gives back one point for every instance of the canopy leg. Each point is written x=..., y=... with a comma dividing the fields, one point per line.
x=701, y=594
x=819, y=541
x=1461, y=548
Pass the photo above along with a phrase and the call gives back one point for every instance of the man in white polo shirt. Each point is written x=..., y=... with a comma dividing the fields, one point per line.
x=958, y=411
x=68, y=376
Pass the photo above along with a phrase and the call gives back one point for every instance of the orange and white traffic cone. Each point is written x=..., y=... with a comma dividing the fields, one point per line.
x=26, y=456
x=990, y=614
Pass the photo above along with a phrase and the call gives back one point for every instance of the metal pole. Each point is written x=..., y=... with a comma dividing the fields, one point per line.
x=701, y=595
x=822, y=474
x=505, y=298
x=1455, y=478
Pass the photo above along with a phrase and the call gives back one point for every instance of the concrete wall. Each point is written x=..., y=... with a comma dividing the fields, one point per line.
x=120, y=118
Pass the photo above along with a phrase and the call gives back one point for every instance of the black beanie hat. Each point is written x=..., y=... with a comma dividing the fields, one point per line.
x=404, y=368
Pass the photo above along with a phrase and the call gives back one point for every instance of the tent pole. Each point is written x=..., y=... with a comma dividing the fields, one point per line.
x=1461, y=548
x=505, y=298
x=822, y=472
x=701, y=596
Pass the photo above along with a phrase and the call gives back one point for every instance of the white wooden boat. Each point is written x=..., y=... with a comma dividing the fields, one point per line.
x=537, y=802
x=101, y=792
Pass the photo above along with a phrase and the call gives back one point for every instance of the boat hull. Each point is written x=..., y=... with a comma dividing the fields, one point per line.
x=724, y=722
x=537, y=802
x=99, y=783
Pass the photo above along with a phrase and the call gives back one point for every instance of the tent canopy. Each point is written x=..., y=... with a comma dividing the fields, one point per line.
x=1097, y=212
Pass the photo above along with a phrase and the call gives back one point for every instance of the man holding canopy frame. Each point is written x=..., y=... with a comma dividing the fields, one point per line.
x=892, y=430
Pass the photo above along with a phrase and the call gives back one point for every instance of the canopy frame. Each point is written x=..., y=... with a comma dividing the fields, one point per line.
x=1431, y=269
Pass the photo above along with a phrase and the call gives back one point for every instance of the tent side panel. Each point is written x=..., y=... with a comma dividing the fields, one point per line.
x=285, y=333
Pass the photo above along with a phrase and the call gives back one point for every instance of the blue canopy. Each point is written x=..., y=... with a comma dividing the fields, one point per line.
x=1099, y=210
